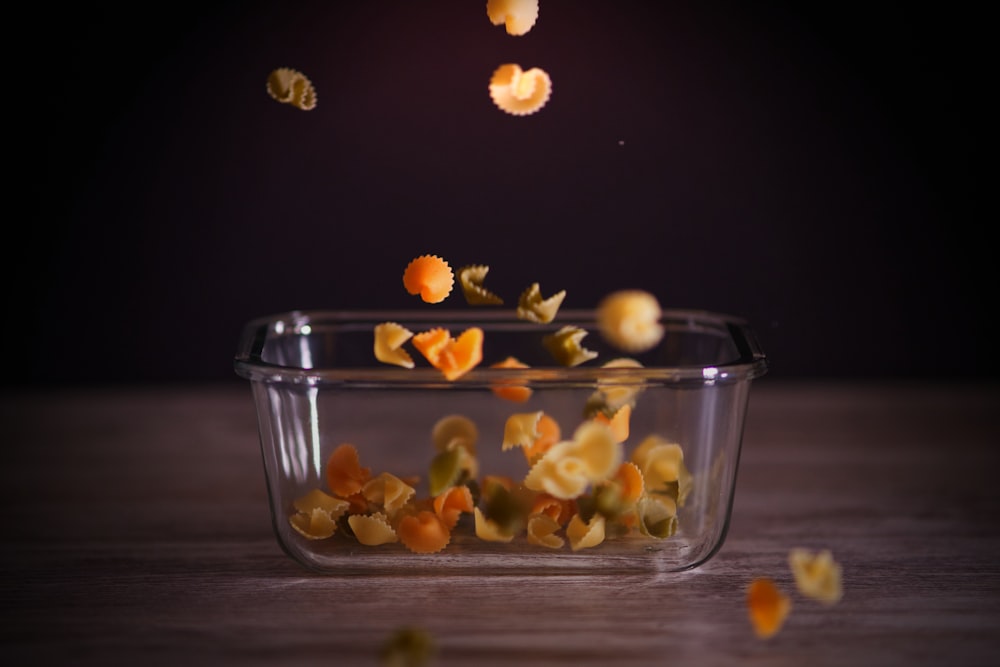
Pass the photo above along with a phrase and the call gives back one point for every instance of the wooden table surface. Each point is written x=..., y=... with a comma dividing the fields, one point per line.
x=136, y=531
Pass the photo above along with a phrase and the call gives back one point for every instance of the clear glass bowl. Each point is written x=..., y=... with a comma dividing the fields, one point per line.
x=317, y=386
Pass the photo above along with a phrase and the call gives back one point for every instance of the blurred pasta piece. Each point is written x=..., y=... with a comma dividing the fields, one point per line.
x=817, y=575
x=630, y=320
x=768, y=607
x=290, y=86
x=518, y=16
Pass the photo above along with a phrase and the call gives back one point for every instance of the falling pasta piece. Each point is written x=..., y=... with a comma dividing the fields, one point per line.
x=549, y=434
x=622, y=390
x=423, y=532
x=541, y=531
x=452, y=356
x=290, y=86
x=429, y=276
x=389, y=338
x=344, y=473
x=520, y=93
x=630, y=320
x=566, y=469
x=445, y=470
x=768, y=607
x=566, y=347
x=471, y=279
x=455, y=431
x=518, y=16
x=662, y=466
x=817, y=575
x=585, y=534
x=521, y=430
x=532, y=307
x=372, y=530
x=619, y=423
x=507, y=391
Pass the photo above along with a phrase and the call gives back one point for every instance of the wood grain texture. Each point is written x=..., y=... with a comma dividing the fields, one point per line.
x=136, y=531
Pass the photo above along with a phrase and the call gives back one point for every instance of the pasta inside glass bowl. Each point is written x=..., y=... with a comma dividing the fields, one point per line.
x=474, y=440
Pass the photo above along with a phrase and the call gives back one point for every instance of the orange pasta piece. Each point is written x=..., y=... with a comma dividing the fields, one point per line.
x=344, y=473
x=454, y=357
x=450, y=504
x=429, y=276
x=558, y=509
x=549, y=432
x=423, y=532
x=504, y=389
x=629, y=480
x=768, y=607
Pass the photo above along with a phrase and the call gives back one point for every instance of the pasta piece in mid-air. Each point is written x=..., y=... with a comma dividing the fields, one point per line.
x=290, y=86
x=389, y=339
x=429, y=276
x=471, y=279
x=520, y=92
x=566, y=347
x=517, y=16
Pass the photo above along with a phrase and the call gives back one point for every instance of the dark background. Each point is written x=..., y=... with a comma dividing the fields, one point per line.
x=812, y=167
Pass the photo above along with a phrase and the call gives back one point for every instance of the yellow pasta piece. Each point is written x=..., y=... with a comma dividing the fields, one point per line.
x=619, y=423
x=505, y=389
x=520, y=93
x=372, y=530
x=768, y=607
x=567, y=468
x=521, y=430
x=613, y=394
x=471, y=279
x=488, y=530
x=662, y=465
x=423, y=532
x=290, y=86
x=388, y=491
x=585, y=534
x=566, y=347
x=541, y=531
x=533, y=308
x=518, y=16
x=595, y=444
x=630, y=320
x=314, y=525
x=344, y=473
x=316, y=498
x=429, y=276
x=389, y=339
x=454, y=357
x=455, y=431
x=657, y=516
x=817, y=575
